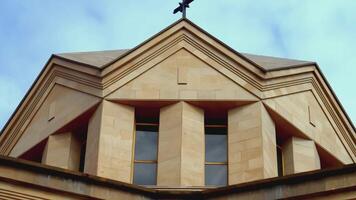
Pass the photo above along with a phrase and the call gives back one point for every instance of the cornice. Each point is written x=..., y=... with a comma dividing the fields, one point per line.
x=28, y=172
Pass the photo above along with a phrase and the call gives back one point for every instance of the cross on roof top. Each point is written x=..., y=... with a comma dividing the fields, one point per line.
x=182, y=7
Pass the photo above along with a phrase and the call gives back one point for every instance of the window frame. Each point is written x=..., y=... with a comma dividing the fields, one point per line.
x=134, y=149
x=209, y=163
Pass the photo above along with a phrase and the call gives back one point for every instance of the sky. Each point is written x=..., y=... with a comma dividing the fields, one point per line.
x=319, y=30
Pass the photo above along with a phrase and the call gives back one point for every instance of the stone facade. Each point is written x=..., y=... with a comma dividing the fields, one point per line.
x=81, y=119
x=252, y=144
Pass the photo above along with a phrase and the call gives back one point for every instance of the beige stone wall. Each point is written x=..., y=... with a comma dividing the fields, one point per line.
x=182, y=76
x=109, y=146
x=62, y=150
x=181, y=146
x=300, y=155
x=169, y=149
x=193, y=140
x=61, y=106
x=303, y=111
x=251, y=144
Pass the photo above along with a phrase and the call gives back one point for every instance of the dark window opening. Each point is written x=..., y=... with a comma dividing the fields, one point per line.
x=82, y=156
x=280, y=161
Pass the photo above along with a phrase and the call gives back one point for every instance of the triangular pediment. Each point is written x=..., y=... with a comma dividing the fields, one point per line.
x=182, y=35
x=304, y=114
x=60, y=107
x=182, y=75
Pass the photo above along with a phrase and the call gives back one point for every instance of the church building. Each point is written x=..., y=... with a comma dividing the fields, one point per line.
x=180, y=116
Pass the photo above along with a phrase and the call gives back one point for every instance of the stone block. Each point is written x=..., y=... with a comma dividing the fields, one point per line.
x=251, y=144
x=109, y=147
x=181, y=146
x=300, y=155
x=62, y=150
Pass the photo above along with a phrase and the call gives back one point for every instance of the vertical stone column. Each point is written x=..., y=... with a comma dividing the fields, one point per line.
x=62, y=150
x=109, y=146
x=300, y=155
x=251, y=144
x=181, y=146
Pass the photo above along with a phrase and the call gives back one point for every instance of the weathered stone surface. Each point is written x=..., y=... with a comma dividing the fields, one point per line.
x=251, y=144
x=62, y=150
x=109, y=146
x=181, y=146
x=300, y=155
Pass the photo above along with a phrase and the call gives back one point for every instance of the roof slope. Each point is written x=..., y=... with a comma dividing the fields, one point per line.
x=94, y=58
x=100, y=59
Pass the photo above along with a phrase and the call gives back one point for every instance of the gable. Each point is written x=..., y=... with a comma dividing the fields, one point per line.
x=304, y=112
x=182, y=76
x=61, y=106
x=182, y=62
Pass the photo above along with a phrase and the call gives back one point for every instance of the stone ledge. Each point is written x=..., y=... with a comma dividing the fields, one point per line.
x=308, y=184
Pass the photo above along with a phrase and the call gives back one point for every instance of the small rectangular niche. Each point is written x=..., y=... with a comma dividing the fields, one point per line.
x=51, y=111
x=311, y=116
x=182, y=74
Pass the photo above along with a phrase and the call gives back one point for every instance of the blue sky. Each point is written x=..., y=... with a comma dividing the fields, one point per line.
x=320, y=30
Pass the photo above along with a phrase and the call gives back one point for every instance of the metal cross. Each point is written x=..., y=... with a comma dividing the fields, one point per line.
x=182, y=7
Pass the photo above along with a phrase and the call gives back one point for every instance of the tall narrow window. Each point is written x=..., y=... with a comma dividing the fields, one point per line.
x=280, y=160
x=146, y=145
x=82, y=156
x=215, y=152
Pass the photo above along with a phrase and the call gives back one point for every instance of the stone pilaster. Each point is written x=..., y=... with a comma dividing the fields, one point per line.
x=251, y=144
x=181, y=146
x=62, y=150
x=300, y=155
x=109, y=146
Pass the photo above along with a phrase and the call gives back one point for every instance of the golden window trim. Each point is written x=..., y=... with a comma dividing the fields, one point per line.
x=145, y=161
x=215, y=163
x=147, y=124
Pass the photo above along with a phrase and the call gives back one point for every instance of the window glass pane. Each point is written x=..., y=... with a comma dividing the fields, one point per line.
x=215, y=175
x=215, y=148
x=146, y=145
x=145, y=174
